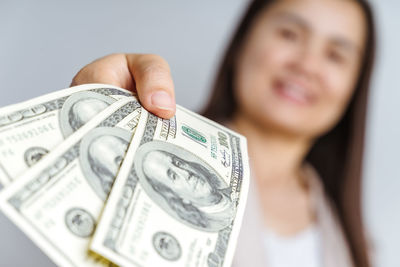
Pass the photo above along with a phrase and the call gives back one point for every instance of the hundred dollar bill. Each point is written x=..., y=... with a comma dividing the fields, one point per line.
x=29, y=130
x=179, y=197
x=57, y=202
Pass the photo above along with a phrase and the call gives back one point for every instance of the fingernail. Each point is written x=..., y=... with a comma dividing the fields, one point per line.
x=162, y=100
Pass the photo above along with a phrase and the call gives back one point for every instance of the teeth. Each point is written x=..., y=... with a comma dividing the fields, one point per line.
x=295, y=91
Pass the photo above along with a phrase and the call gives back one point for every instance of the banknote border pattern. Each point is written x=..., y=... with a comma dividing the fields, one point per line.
x=44, y=177
x=215, y=258
x=56, y=104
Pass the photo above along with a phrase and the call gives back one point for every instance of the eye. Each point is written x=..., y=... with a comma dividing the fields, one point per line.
x=335, y=57
x=171, y=174
x=177, y=162
x=288, y=34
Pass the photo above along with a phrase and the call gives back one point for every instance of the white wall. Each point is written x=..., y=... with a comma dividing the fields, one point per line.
x=382, y=165
x=44, y=43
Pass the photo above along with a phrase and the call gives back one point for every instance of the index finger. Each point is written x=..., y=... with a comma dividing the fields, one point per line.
x=147, y=75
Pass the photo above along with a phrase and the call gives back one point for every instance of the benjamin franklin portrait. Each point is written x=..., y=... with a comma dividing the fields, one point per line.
x=184, y=186
x=79, y=108
x=102, y=151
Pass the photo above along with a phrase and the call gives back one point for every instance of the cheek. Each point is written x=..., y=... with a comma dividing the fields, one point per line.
x=258, y=63
x=265, y=54
x=340, y=89
x=180, y=186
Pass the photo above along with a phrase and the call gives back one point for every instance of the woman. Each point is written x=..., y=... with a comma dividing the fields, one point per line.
x=294, y=81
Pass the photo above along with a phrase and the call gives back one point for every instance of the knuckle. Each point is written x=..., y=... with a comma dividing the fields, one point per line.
x=154, y=60
x=155, y=57
x=155, y=71
x=89, y=74
x=156, y=75
x=79, y=77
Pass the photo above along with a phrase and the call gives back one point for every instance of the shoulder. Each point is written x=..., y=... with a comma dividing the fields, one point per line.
x=321, y=203
x=335, y=247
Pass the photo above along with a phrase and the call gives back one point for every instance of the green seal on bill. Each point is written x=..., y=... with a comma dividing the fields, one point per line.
x=193, y=134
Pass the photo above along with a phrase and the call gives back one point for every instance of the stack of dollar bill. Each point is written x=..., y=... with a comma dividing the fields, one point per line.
x=96, y=180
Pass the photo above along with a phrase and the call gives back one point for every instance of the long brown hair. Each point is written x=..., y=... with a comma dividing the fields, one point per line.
x=337, y=155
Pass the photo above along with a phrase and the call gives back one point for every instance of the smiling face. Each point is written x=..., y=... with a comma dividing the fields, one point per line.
x=299, y=65
x=182, y=177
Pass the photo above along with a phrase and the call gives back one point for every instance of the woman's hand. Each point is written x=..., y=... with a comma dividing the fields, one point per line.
x=147, y=75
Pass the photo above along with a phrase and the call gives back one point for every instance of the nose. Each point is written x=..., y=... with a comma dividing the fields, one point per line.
x=309, y=60
x=181, y=172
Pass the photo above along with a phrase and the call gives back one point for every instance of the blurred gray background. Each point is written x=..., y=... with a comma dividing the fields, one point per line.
x=44, y=43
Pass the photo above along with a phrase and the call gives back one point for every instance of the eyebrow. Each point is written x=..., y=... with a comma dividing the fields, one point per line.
x=345, y=44
x=302, y=23
x=293, y=18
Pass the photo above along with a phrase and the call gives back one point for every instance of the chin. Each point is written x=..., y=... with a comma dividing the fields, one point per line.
x=292, y=126
x=308, y=121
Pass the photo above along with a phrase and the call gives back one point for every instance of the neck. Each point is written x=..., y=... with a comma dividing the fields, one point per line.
x=276, y=157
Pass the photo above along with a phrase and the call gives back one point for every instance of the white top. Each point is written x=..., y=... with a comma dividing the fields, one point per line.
x=324, y=243
x=300, y=250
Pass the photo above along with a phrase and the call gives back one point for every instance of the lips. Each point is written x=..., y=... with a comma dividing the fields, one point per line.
x=294, y=91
